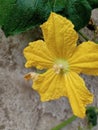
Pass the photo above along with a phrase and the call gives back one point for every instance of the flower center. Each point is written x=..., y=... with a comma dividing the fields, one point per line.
x=61, y=66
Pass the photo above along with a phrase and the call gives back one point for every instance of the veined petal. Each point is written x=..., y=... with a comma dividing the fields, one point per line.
x=85, y=59
x=59, y=35
x=78, y=94
x=50, y=85
x=38, y=55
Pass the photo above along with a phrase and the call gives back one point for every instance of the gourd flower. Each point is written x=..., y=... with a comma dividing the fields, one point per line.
x=63, y=61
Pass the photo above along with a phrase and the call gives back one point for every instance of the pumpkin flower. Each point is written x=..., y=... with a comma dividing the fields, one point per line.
x=63, y=61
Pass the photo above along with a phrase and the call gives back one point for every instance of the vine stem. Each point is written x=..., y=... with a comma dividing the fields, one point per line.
x=83, y=35
x=63, y=124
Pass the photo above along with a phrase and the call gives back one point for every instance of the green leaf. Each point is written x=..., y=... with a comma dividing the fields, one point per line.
x=79, y=12
x=17, y=16
x=22, y=15
x=93, y=3
x=91, y=116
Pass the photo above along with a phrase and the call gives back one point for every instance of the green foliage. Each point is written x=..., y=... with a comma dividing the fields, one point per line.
x=93, y=3
x=17, y=16
x=91, y=116
x=79, y=12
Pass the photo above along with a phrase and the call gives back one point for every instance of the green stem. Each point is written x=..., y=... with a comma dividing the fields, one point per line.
x=85, y=37
x=90, y=127
x=96, y=109
x=94, y=39
x=63, y=124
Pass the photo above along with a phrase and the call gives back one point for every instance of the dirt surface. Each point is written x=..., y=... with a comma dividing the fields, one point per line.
x=20, y=106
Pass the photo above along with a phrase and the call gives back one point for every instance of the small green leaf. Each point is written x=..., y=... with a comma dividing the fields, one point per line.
x=91, y=116
x=17, y=16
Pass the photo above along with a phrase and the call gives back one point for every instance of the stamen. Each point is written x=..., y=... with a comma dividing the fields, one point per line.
x=58, y=68
x=61, y=66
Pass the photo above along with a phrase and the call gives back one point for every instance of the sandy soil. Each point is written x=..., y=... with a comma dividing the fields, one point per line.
x=20, y=106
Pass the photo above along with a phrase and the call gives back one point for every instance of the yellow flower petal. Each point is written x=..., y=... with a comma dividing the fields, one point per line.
x=85, y=59
x=38, y=55
x=50, y=85
x=78, y=94
x=59, y=35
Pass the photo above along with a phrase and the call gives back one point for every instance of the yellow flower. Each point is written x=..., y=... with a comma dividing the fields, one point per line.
x=64, y=60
